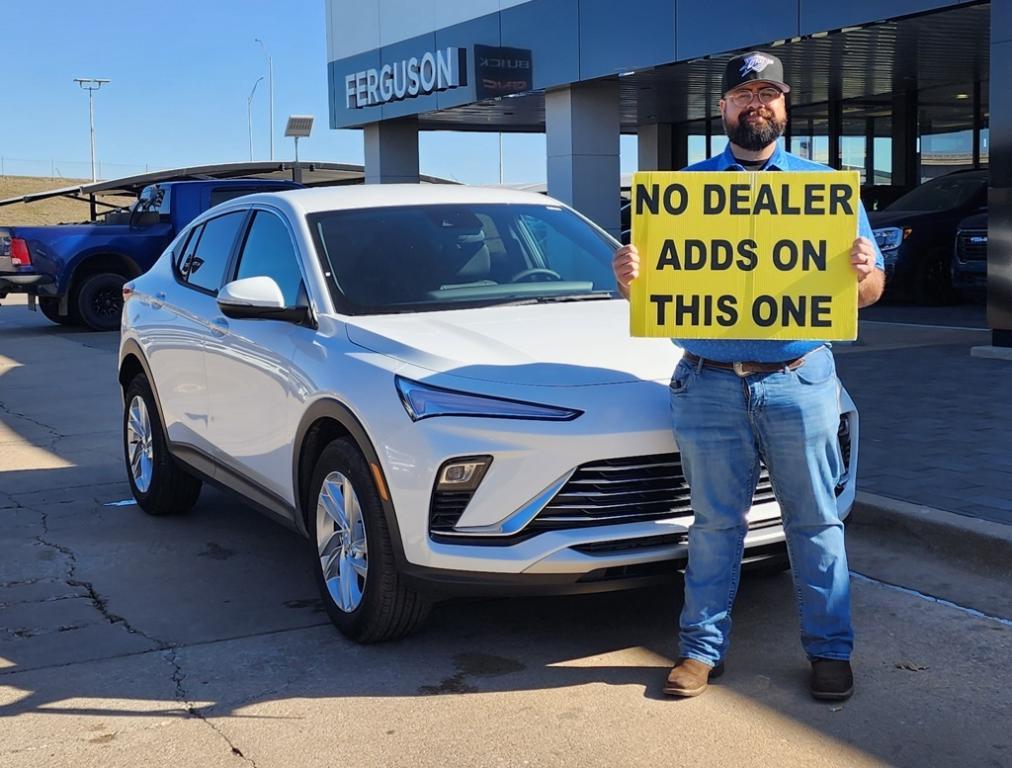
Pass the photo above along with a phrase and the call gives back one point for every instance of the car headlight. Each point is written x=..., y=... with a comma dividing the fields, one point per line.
x=423, y=401
x=889, y=238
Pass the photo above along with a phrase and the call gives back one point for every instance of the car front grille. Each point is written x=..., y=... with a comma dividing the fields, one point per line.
x=843, y=435
x=971, y=245
x=627, y=490
x=612, y=491
x=446, y=508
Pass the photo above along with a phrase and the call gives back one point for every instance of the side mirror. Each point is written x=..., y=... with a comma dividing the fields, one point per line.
x=260, y=298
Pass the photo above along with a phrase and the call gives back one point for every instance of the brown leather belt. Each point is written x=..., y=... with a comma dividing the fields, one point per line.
x=744, y=369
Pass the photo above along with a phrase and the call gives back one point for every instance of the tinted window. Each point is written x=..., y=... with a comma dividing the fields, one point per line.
x=269, y=252
x=435, y=256
x=942, y=194
x=206, y=266
x=184, y=254
x=154, y=198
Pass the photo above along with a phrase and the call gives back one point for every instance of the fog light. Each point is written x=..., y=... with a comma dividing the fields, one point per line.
x=463, y=474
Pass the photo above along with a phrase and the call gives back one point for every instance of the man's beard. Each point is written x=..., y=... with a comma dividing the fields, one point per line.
x=755, y=136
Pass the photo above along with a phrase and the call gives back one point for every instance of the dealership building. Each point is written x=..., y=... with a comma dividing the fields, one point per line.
x=899, y=90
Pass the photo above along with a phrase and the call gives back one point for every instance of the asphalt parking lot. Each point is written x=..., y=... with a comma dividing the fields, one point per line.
x=128, y=640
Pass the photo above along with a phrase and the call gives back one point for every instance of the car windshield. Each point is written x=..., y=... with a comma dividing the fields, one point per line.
x=940, y=194
x=434, y=257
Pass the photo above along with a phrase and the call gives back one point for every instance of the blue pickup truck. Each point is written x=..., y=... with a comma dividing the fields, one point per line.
x=75, y=272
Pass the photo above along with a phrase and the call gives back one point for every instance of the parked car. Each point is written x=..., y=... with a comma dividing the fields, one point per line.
x=969, y=257
x=75, y=272
x=916, y=234
x=434, y=385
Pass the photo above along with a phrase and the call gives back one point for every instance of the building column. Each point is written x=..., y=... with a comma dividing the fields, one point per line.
x=582, y=126
x=999, y=241
x=662, y=147
x=905, y=172
x=653, y=147
x=835, y=127
x=391, y=152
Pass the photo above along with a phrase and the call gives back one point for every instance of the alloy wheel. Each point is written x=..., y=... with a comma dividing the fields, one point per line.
x=341, y=538
x=139, y=444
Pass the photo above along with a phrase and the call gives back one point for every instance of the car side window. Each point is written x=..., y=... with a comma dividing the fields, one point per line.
x=268, y=252
x=184, y=251
x=204, y=266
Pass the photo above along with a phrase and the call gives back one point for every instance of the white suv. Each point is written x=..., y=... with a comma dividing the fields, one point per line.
x=434, y=384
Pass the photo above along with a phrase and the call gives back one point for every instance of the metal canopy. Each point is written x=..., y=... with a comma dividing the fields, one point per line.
x=860, y=62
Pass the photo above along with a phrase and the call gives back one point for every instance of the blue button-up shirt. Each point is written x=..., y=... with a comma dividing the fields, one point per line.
x=764, y=351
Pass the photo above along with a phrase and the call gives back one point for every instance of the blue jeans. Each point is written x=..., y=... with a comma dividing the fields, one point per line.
x=723, y=425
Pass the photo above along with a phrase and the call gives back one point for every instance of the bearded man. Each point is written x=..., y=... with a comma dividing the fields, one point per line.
x=736, y=403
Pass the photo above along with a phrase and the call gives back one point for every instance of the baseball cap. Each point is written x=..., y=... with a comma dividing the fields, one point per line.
x=754, y=66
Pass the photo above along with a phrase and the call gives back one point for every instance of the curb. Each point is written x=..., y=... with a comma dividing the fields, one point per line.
x=992, y=352
x=982, y=543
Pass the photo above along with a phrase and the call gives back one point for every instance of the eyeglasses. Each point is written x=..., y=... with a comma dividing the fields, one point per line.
x=743, y=98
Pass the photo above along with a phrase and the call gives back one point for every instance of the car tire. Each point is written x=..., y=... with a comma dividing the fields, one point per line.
x=50, y=307
x=352, y=554
x=98, y=301
x=932, y=284
x=159, y=483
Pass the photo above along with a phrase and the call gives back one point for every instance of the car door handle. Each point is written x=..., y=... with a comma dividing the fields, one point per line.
x=219, y=326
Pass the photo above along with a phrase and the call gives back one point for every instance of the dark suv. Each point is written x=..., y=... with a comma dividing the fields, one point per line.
x=916, y=234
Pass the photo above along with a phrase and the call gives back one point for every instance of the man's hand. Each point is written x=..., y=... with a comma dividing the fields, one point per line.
x=870, y=279
x=626, y=266
x=862, y=257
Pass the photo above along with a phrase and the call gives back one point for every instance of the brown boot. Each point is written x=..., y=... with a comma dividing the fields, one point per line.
x=690, y=677
x=832, y=679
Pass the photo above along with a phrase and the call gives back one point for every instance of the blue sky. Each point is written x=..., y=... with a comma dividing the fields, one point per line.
x=181, y=74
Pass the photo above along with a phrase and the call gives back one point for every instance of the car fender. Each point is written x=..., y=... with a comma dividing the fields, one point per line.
x=331, y=408
x=131, y=348
x=117, y=261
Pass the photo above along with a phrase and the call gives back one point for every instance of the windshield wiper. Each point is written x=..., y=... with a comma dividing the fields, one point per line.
x=558, y=298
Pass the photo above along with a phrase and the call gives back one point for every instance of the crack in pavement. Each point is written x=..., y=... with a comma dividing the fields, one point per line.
x=29, y=419
x=101, y=604
x=178, y=676
x=173, y=646
x=36, y=601
x=59, y=489
x=21, y=582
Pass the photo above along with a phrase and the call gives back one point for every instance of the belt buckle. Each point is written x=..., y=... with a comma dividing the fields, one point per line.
x=739, y=370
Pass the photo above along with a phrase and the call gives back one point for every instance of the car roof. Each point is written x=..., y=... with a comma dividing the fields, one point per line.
x=387, y=195
x=982, y=172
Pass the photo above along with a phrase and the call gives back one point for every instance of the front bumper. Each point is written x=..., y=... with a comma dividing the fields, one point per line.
x=529, y=457
x=969, y=276
x=656, y=564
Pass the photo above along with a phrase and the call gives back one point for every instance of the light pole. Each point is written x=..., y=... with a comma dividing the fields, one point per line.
x=249, y=116
x=91, y=84
x=270, y=90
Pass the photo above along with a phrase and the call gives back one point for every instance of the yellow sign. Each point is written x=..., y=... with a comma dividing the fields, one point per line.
x=737, y=255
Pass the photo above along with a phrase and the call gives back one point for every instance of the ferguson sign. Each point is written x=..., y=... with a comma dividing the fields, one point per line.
x=406, y=79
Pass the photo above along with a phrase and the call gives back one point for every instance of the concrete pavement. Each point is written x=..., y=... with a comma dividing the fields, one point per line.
x=128, y=640
x=936, y=423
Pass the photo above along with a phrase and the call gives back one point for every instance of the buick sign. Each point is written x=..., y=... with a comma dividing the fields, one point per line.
x=406, y=79
x=502, y=71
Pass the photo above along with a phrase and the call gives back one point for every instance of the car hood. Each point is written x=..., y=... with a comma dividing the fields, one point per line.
x=976, y=221
x=887, y=218
x=572, y=344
